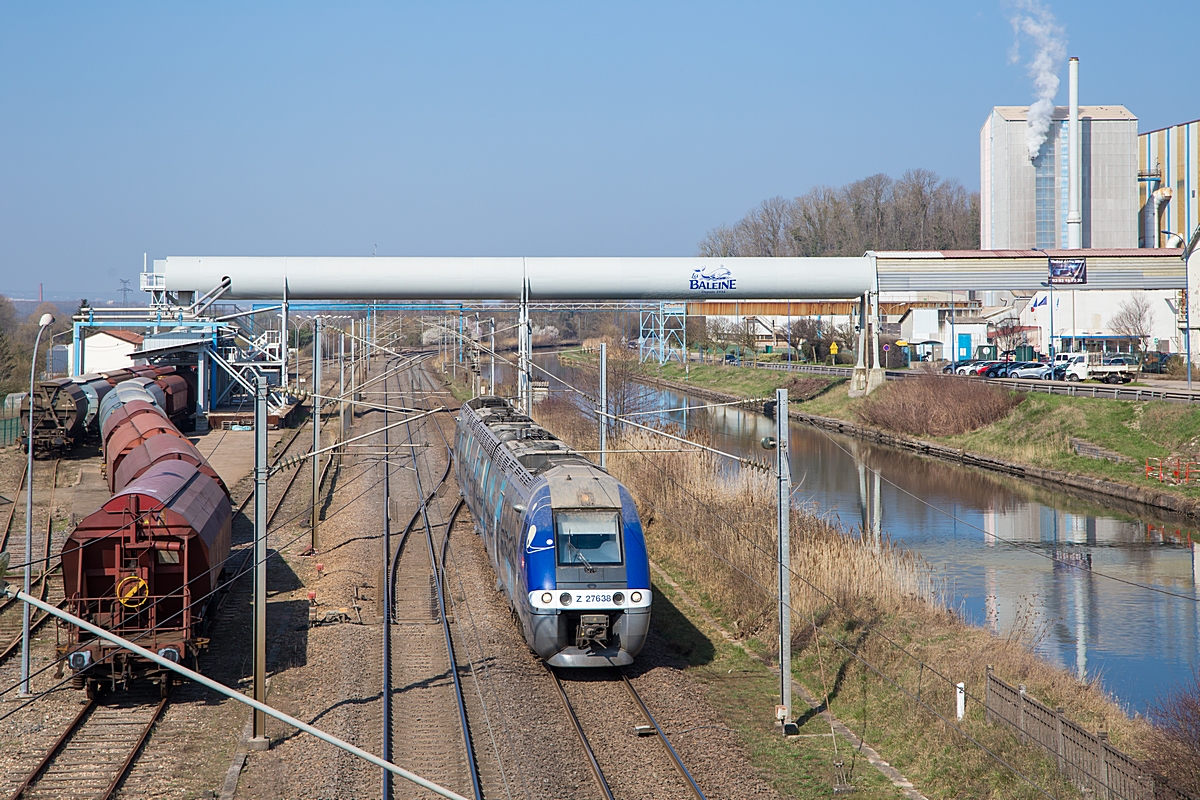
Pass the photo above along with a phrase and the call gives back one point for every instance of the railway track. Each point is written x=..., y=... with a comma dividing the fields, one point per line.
x=618, y=761
x=94, y=754
x=454, y=736
x=44, y=586
x=430, y=731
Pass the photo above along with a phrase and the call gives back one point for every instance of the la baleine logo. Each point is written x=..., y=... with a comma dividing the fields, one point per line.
x=712, y=280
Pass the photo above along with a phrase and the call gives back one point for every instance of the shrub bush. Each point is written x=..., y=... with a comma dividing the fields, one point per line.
x=937, y=405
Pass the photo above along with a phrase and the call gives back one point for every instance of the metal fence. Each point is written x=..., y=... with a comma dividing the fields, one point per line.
x=1067, y=388
x=1087, y=758
x=10, y=428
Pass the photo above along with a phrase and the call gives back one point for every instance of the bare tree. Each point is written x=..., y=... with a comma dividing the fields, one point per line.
x=918, y=211
x=1134, y=320
x=1007, y=334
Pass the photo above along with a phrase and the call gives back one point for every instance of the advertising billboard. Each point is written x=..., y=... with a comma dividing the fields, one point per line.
x=1068, y=271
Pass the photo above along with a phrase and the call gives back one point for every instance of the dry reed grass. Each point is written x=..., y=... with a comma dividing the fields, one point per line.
x=719, y=526
x=937, y=405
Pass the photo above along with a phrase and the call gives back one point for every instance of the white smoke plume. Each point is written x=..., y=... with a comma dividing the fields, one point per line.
x=1034, y=21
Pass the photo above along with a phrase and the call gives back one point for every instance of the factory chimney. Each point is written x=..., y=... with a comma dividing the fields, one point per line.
x=1075, y=165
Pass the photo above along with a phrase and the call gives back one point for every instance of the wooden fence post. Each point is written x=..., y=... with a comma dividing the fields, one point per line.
x=1101, y=773
x=1059, y=744
x=1021, y=711
x=987, y=695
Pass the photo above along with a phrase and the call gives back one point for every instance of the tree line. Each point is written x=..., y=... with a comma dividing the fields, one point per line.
x=918, y=211
x=17, y=335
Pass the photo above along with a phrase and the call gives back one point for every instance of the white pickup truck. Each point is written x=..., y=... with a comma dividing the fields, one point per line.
x=1084, y=366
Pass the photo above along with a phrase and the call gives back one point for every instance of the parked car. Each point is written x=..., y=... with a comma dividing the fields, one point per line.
x=731, y=358
x=1005, y=369
x=1041, y=372
x=981, y=368
x=1128, y=360
x=955, y=366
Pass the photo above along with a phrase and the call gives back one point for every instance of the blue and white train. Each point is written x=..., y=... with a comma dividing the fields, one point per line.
x=562, y=534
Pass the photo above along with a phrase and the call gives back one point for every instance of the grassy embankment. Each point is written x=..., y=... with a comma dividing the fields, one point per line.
x=853, y=599
x=1040, y=431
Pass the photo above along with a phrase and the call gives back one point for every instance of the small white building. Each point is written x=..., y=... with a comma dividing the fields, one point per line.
x=107, y=350
x=935, y=333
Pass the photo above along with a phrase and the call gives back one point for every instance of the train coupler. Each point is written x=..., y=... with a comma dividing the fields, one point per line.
x=591, y=628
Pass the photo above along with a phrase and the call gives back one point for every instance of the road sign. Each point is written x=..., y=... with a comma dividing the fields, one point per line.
x=833, y=348
x=887, y=347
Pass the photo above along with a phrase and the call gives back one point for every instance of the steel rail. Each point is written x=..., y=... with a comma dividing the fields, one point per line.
x=12, y=512
x=40, y=767
x=459, y=700
x=74, y=727
x=662, y=737
x=597, y=773
x=42, y=581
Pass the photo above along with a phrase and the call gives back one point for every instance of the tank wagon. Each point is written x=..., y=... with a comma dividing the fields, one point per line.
x=562, y=534
x=145, y=564
x=58, y=419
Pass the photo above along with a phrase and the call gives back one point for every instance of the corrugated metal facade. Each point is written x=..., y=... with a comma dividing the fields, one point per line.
x=1175, y=154
x=996, y=270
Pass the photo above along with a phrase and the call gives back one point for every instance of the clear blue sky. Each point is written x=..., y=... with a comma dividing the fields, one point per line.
x=497, y=128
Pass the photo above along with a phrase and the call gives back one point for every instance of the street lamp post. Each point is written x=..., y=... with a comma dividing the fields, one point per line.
x=45, y=322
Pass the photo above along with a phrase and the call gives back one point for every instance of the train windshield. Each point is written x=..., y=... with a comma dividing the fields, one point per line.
x=587, y=538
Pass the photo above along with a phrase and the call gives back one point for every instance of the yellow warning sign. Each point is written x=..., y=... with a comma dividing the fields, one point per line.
x=132, y=591
x=833, y=348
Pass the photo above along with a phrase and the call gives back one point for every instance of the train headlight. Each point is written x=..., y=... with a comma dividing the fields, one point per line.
x=565, y=598
x=636, y=597
x=547, y=598
x=619, y=598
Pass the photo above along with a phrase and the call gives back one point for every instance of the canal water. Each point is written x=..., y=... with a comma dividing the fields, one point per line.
x=1132, y=620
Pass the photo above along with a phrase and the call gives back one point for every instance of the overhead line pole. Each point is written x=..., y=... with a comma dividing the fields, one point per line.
x=603, y=420
x=783, y=478
x=259, y=740
x=387, y=605
x=314, y=545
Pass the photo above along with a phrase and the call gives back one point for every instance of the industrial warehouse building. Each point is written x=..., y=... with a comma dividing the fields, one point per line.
x=1023, y=203
x=1168, y=177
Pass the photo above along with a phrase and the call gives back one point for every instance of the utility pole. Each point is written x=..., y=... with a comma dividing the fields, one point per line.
x=314, y=546
x=492, y=378
x=259, y=740
x=387, y=605
x=603, y=419
x=784, y=481
x=342, y=386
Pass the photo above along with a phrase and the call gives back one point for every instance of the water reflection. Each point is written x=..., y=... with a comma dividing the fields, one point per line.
x=1021, y=559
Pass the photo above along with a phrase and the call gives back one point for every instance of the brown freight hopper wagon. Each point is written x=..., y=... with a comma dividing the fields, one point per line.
x=59, y=414
x=146, y=565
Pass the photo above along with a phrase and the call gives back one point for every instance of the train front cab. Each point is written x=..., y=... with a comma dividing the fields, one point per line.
x=587, y=602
